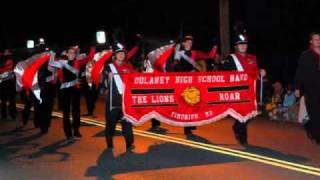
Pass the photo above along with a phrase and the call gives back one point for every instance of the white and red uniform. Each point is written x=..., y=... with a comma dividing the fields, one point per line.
x=248, y=63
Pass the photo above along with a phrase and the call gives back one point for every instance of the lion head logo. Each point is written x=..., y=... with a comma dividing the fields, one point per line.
x=191, y=96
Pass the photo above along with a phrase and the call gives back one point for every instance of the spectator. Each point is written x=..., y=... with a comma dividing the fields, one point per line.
x=276, y=101
x=289, y=109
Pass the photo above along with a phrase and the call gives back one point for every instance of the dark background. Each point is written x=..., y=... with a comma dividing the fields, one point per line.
x=278, y=30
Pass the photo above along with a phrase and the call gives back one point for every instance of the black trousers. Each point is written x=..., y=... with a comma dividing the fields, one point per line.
x=29, y=101
x=240, y=129
x=91, y=95
x=112, y=117
x=71, y=103
x=38, y=114
x=59, y=96
x=313, y=125
x=48, y=93
x=8, y=94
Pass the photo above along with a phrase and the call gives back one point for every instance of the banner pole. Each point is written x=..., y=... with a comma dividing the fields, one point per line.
x=111, y=91
x=261, y=90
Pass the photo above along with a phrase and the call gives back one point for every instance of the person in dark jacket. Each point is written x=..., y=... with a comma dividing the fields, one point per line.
x=307, y=80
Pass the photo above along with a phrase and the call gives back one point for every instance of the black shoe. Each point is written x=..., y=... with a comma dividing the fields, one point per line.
x=77, y=134
x=238, y=139
x=243, y=141
x=129, y=147
x=93, y=116
x=69, y=138
x=109, y=145
x=88, y=114
x=154, y=127
x=310, y=135
x=244, y=138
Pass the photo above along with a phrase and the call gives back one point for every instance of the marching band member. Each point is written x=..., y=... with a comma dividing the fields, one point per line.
x=31, y=75
x=185, y=61
x=47, y=83
x=7, y=85
x=93, y=75
x=112, y=80
x=243, y=62
x=70, y=89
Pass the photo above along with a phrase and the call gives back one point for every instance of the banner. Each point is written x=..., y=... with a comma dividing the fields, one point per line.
x=189, y=99
x=26, y=73
x=95, y=67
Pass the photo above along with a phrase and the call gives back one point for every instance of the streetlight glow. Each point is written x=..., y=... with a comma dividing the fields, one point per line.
x=101, y=37
x=30, y=44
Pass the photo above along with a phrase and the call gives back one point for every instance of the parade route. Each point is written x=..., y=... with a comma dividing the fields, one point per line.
x=156, y=90
x=210, y=153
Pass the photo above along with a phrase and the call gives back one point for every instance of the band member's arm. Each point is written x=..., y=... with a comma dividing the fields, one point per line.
x=201, y=55
x=91, y=54
x=132, y=52
x=84, y=61
x=228, y=64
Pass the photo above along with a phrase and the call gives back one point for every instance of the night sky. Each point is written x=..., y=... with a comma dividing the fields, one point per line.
x=278, y=30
